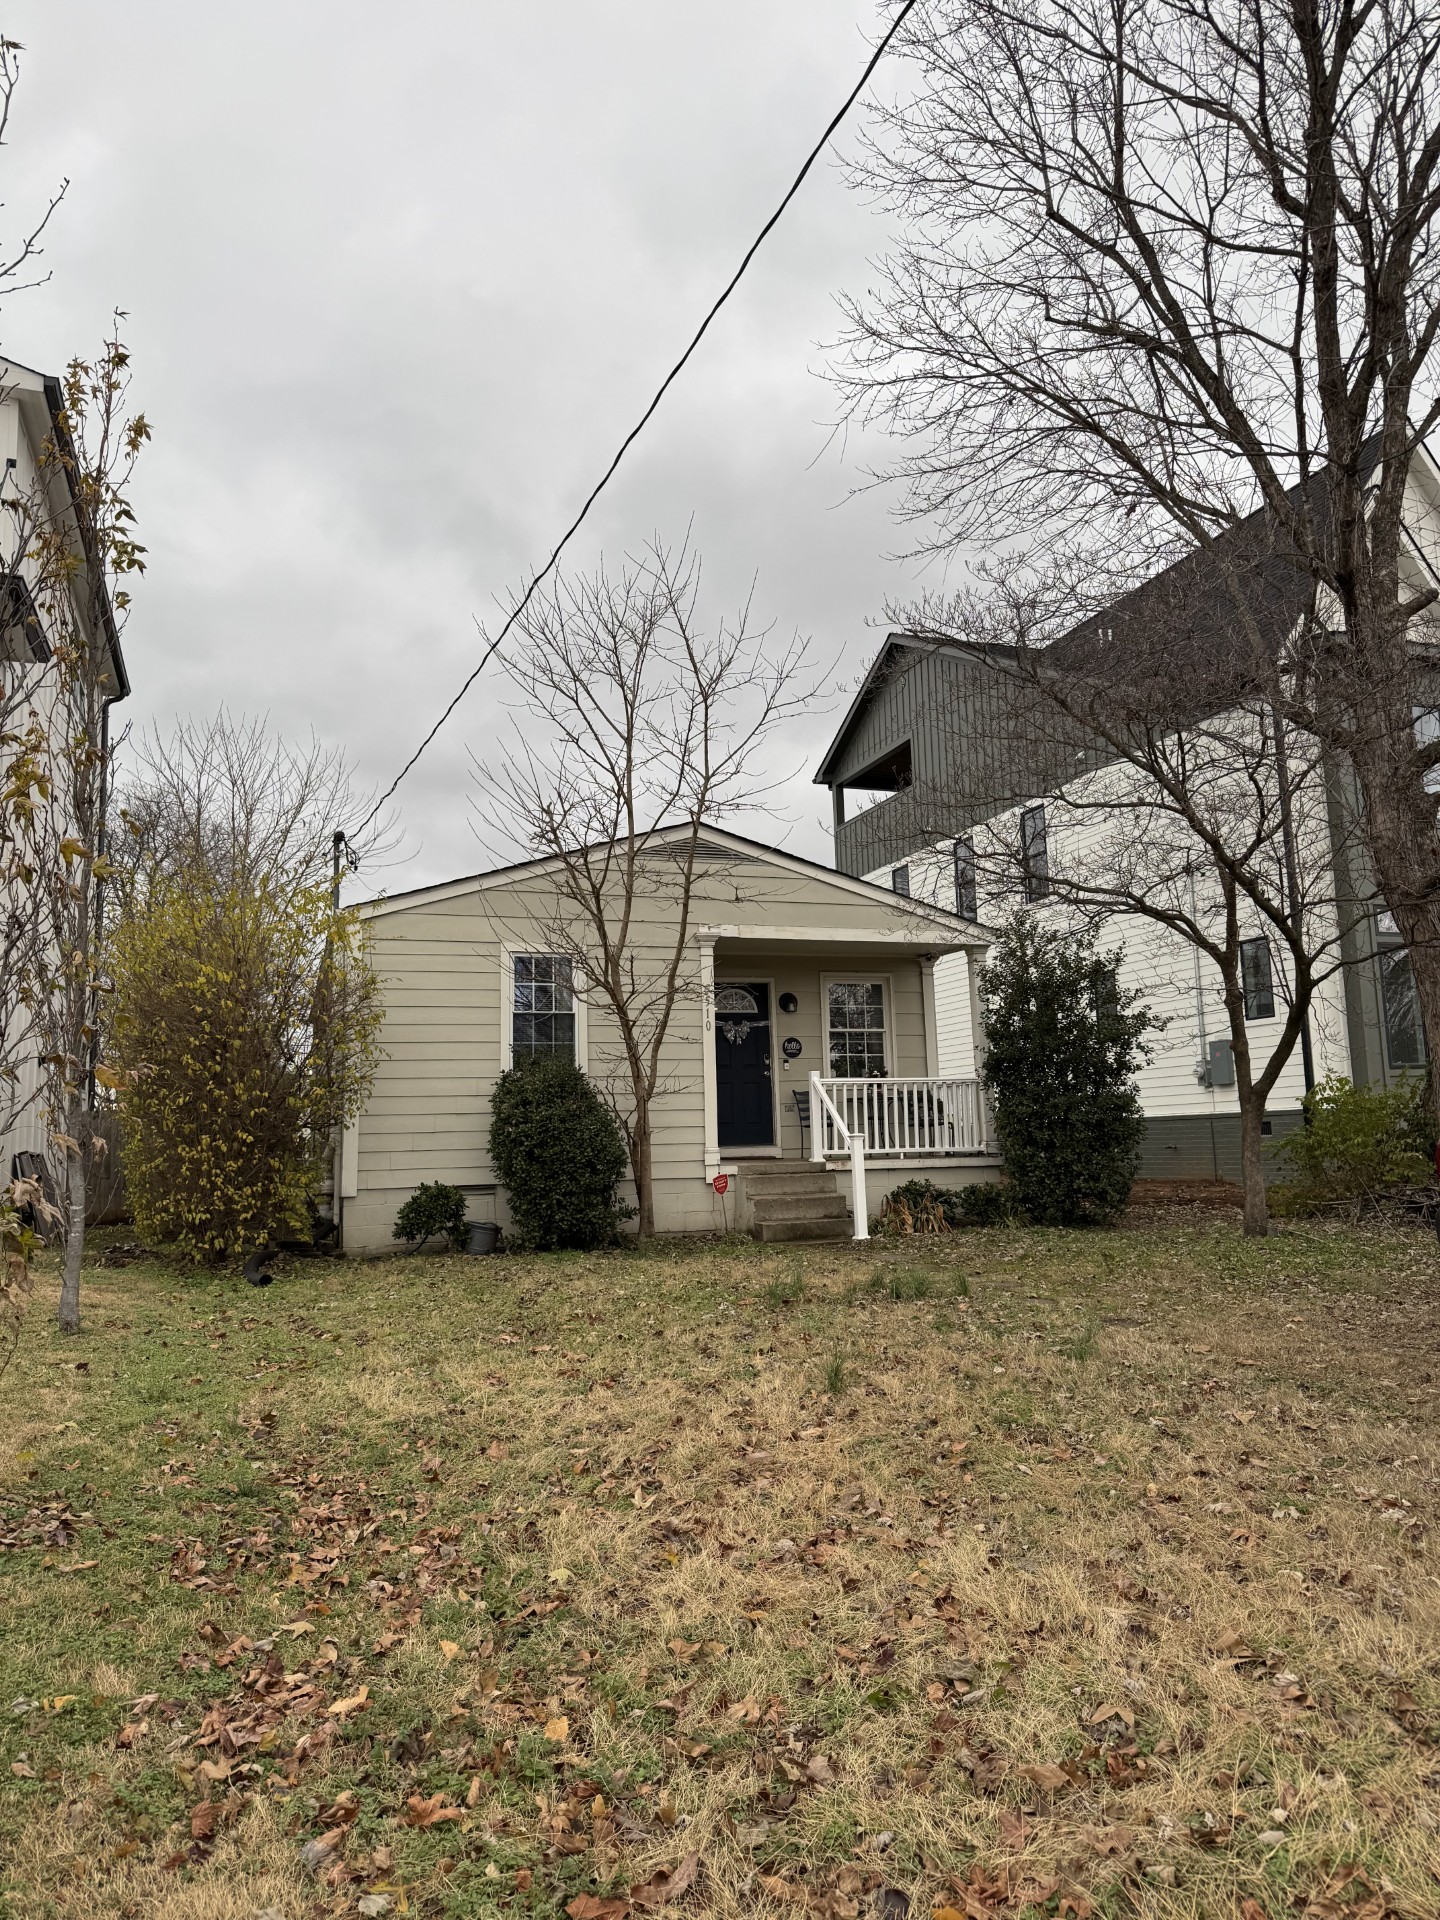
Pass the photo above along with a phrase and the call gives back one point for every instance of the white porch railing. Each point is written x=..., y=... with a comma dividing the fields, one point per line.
x=826, y=1123
x=898, y=1118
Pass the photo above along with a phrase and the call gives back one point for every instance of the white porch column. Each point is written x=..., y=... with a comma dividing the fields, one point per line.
x=705, y=943
x=974, y=960
x=932, y=1029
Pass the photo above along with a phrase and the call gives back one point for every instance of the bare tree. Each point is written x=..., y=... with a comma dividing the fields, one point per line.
x=227, y=797
x=1165, y=265
x=82, y=548
x=655, y=727
x=1185, y=803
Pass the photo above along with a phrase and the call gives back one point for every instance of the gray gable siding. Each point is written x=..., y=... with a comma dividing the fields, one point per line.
x=972, y=756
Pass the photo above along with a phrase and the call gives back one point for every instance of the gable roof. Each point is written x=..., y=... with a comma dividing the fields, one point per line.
x=1197, y=598
x=890, y=658
x=955, y=930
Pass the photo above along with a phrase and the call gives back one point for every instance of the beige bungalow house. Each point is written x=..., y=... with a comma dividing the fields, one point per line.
x=800, y=1075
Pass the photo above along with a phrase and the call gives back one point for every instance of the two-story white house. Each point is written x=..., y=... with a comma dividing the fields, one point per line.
x=32, y=486
x=932, y=763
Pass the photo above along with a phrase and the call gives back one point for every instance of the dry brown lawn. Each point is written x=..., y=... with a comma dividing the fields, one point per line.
x=734, y=1580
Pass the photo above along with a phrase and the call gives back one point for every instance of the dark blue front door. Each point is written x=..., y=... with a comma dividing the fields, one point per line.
x=744, y=1105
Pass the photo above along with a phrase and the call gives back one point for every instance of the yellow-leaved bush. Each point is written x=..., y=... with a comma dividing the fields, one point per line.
x=245, y=1030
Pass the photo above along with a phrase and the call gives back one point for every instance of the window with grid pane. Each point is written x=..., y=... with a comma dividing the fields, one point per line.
x=1035, y=853
x=966, y=903
x=1257, y=980
x=542, y=1019
x=1404, y=1031
x=856, y=1029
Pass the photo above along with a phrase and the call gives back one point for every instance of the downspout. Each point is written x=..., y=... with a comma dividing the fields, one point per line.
x=101, y=840
x=1202, y=1065
x=1292, y=889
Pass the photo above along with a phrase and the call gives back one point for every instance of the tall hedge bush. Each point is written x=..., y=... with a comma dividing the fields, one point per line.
x=1063, y=1047
x=246, y=1021
x=1358, y=1144
x=559, y=1155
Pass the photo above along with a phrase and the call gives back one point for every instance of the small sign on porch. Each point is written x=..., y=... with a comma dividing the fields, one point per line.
x=721, y=1183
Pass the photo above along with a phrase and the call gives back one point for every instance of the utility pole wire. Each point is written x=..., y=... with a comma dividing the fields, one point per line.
x=644, y=420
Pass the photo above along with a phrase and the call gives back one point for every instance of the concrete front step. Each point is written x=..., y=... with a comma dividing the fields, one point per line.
x=795, y=1201
x=797, y=1206
x=772, y=1230
x=788, y=1180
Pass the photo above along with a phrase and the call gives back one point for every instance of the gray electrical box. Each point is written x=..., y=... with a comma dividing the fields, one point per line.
x=1222, y=1064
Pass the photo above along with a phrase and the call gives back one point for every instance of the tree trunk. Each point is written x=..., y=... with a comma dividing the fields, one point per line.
x=75, y=1197
x=642, y=1168
x=1252, y=1170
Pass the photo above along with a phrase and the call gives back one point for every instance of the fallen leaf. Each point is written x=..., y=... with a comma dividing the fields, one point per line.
x=317, y=1854
x=428, y=1813
x=746, y=1711
x=1014, y=1830
x=353, y=1703
x=1109, y=1711
x=662, y=1886
x=819, y=1770
x=203, y=1818
x=450, y=1649
x=296, y=1627
x=343, y=1810
x=1049, y=1778
x=588, y=1906
x=557, y=1729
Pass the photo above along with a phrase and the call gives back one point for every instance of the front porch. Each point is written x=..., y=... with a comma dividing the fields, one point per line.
x=823, y=1090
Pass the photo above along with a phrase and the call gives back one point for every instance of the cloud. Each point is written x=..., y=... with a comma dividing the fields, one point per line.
x=398, y=282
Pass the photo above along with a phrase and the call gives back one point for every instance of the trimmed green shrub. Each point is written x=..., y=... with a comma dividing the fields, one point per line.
x=432, y=1209
x=559, y=1154
x=1063, y=1046
x=987, y=1203
x=1358, y=1144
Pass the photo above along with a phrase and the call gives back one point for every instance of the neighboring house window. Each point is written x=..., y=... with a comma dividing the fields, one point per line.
x=543, y=1008
x=1257, y=980
x=966, y=904
x=1427, y=732
x=1035, y=853
x=856, y=1029
x=900, y=881
x=1404, y=1030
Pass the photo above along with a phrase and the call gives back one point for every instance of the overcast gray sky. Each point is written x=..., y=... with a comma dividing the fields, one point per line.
x=398, y=281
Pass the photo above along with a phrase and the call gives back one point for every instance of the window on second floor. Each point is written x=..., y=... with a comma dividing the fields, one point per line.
x=542, y=1018
x=1404, y=1030
x=1034, y=853
x=1257, y=979
x=966, y=902
x=900, y=881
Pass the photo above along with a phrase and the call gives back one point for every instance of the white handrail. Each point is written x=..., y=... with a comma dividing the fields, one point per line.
x=902, y=1117
x=823, y=1108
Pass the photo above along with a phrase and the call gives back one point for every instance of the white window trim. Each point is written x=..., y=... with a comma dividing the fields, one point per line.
x=773, y=1151
x=507, y=1005
x=884, y=981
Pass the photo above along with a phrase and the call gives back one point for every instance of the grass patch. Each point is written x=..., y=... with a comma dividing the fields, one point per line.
x=500, y=1585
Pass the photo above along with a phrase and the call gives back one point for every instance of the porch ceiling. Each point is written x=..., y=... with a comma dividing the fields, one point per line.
x=827, y=954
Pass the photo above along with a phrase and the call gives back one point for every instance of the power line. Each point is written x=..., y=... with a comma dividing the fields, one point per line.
x=644, y=420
